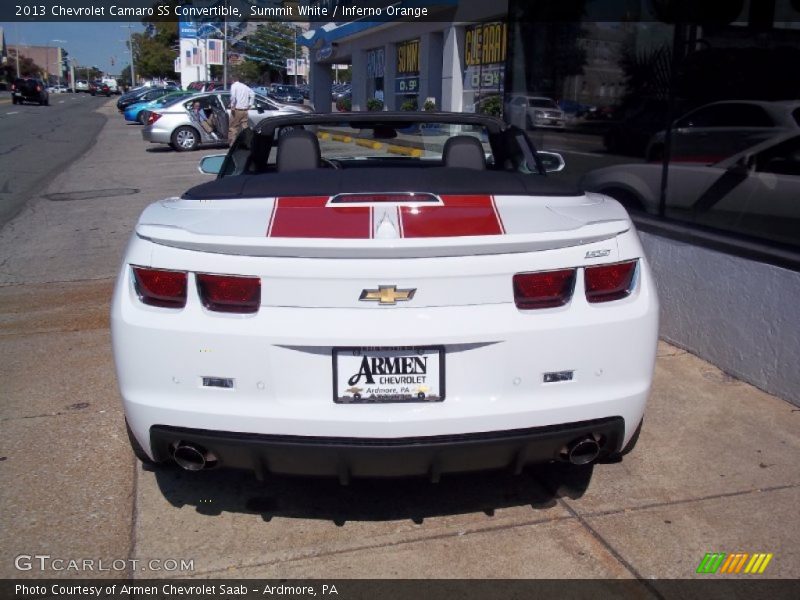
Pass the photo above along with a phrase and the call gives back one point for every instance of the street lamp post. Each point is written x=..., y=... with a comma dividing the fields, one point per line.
x=58, y=60
x=130, y=47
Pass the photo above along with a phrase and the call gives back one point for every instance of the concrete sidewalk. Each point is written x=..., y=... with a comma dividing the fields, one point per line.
x=715, y=470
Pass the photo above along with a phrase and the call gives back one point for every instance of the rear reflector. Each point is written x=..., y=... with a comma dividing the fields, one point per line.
x=547, y=289
x=158, y=287
x=609, y=282
x=228, y=293
x=153, y=118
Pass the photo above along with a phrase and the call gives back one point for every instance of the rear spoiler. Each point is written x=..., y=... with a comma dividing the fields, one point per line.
x=177, y=237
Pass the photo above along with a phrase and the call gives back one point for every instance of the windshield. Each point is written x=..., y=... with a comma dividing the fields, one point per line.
x=287, y=89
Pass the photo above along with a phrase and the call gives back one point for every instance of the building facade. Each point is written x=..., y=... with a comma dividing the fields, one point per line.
x=454, y=62
x=50, y=59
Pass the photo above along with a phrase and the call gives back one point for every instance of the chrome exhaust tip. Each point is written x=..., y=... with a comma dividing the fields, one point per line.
x=190, y=457
x=583, y=451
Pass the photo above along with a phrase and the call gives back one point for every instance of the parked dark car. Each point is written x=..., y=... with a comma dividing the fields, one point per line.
x=28, y=89
x=142, y=95
x=98, y=87
x=288, y=94
x=206, y=86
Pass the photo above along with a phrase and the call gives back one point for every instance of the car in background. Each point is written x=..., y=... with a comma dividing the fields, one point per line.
x=534, y=111
x=140, y=111
x=341, y=90
x=143, y=95
x=160, y=83
x=715, y=131
x=99, y=88
x=29, y=89
x=81, y=85
x=288, y=94
x=112, y=84
x=206, y=86
x=175, y=125
x=346, y=344
x=756, y=189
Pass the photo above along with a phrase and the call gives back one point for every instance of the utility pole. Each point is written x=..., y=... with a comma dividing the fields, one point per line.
x=59, y=60
x=16, y=51
x=130, y=48
x=225, y=50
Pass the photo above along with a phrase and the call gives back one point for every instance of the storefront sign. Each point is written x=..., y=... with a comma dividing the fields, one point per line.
x=408, y=57
x=376, y=62
x=406, y=86
x=187, y=29
x=485, y=44
x=486, y=78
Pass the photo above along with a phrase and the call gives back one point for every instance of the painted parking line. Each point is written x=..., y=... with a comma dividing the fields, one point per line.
x=13, y=112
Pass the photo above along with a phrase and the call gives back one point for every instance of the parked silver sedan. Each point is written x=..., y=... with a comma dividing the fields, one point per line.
x=178, y=126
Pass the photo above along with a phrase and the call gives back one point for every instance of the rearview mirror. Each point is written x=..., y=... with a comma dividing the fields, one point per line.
x=211, y=165
x=552, y=162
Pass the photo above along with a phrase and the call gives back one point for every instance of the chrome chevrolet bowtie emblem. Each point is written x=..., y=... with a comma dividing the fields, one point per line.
x=387, y=294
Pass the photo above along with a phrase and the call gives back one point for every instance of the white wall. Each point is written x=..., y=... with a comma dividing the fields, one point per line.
x=739, y=314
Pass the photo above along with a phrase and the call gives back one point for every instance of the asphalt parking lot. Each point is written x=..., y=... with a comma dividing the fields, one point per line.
x=716, y=468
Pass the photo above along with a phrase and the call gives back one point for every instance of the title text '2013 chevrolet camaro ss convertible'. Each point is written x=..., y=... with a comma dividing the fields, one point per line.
x=383, y=294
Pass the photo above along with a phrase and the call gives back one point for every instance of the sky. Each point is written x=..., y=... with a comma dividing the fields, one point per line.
x=89, y=44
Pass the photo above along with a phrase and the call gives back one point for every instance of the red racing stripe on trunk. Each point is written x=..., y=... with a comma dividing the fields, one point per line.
x=308, y=217
x=460, y=216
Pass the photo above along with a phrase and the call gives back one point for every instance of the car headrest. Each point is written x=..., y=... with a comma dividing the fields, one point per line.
x=298, y=150
x=464, y=151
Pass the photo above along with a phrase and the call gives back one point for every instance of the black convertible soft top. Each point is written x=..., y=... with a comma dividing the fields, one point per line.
x=329, y=182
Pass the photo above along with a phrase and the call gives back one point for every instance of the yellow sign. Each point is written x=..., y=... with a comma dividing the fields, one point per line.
x=408, y=57
x=485, y=44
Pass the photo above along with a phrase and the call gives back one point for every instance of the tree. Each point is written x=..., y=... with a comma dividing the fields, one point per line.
x=153, y=50
x=125, y=76
x=265, y=52
x=27, y=68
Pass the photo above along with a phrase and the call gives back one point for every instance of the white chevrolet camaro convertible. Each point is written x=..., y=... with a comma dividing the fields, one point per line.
x=383, y=294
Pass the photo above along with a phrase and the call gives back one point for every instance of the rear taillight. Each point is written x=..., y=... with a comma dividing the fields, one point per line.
x=38, y=88
x=605, y=283
x=228, y=293
x=13, y=87
x=546, y=289
x=153, y=118
x=158, y=287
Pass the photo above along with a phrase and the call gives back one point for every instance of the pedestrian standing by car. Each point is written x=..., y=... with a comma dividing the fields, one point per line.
x=241, y=100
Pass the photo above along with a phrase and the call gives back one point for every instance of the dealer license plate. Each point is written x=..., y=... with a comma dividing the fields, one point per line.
x=385, y=375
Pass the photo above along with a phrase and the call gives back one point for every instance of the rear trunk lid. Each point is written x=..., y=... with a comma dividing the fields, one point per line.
x=382, y=225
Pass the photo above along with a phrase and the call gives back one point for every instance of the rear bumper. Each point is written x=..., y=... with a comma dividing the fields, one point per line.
x=155, y=135
x=389, y=457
